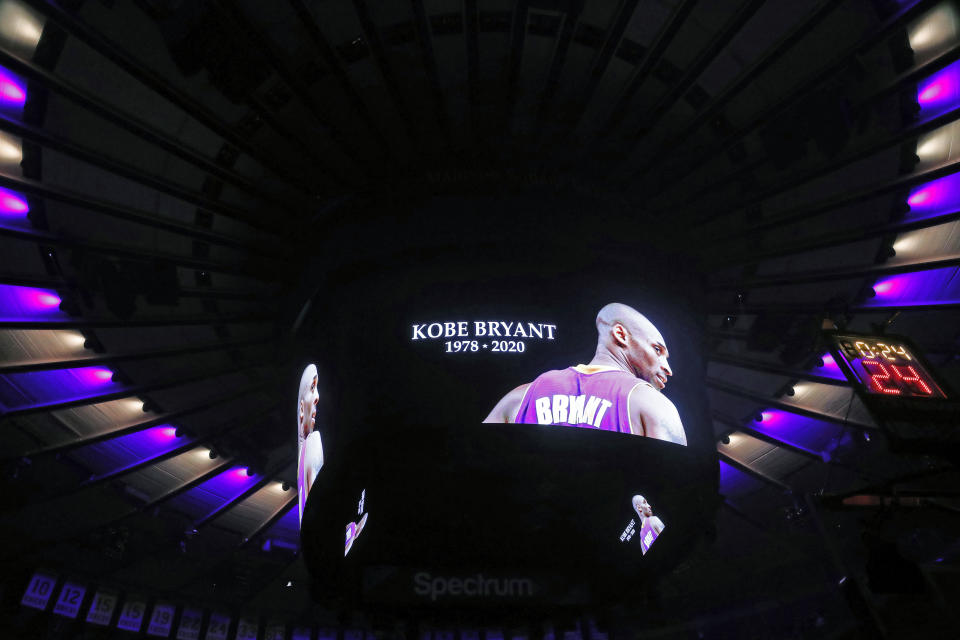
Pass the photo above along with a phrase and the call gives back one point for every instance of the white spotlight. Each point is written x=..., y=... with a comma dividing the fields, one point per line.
x=934, y=146
x=74, y=339
x=20, y=27
x=904, y=244
x=933, y=31
x=10, y=150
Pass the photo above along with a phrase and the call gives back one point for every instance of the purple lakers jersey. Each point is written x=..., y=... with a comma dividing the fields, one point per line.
x=648, y=534
x=572, y=397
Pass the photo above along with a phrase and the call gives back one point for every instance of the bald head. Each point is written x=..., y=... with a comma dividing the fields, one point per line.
x=634, y=321
x=626, y=338
x=641, y=506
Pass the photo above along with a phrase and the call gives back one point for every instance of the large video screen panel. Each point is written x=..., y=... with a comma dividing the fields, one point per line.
x=515, y=350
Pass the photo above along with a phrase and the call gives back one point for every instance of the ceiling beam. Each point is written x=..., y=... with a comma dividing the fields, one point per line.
x=128, y=391
x=705, y=58
x=711, y=112
x=332, y=63
x=245, y=30
x=429, y=61
x=382, y=61
x=97, y=358
x=770, y=401
x=651, y=58
x=839, y=63
x=805, y=212
x=169, y=320
x=768, y=367
x=836, y=239
x=546, y=107
x=139, y=128
x=60, y=194
x=154, y=420
x=753, y=471
x=838, y=273
x=796, y=178
x=252, y=271
x=123, y=59
x=598, y=68
x=48, y=140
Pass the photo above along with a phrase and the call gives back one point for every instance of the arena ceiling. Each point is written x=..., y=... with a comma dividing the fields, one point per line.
x=168, y=167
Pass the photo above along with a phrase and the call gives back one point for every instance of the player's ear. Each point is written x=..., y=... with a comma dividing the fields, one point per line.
x=620, y=334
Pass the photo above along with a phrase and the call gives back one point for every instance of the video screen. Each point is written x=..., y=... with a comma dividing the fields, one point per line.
x=498, y=404
x=644, y=525
x=618, y=390
x=309, y=441
x=578, y=348
x=354, y=529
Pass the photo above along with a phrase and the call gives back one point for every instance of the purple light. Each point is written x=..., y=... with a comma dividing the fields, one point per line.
x=931, y=286
x=287, y=528
x=931, y=93
x=886, y=287
x=28, y=303
x=123, y=452
x=734, y=482
x=12, y=204
x=41, y=388
x=94, y=376
x=935, y=198
x=830, y=368
x=214, y=493
x=12, y=90
x=940, y=92
x=809, y=434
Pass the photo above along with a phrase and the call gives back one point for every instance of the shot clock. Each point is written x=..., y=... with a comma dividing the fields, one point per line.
x=887, y=366
x=903, y=393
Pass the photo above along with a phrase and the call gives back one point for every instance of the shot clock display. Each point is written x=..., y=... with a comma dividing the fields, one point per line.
x=887, y=366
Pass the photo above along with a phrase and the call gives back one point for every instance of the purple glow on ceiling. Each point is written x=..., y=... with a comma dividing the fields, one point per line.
x=39, y=388
x=12, y=204
x=931, y=286
x=940, y=92
x=935, y=198
x=809, y=434
x=224, y=487
x=830, y=368
x=734, y=482
x=287, y=528
x=123, y=452
x=28, y=303
x=93, y=376
x=13, y=90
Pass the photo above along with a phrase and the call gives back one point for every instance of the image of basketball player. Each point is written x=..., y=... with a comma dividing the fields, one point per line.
x=650, y=525
x=619, y=390
x=309, y=445
x=353, y=532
